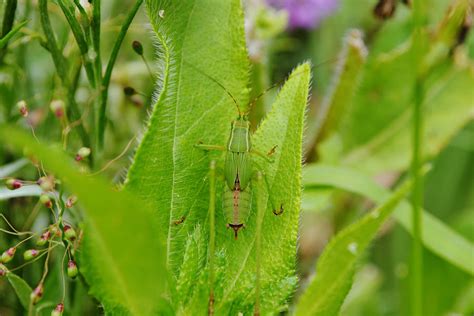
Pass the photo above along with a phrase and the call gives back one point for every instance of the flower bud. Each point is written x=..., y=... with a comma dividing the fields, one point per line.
x=3, y=270
x=55, y=231
x=82, y=153
x=58, y=310
x=30, y=254
x=37, y=294
x=22, y=108
x=71, y=201
x=137, y=47
x=69, y=232
x=8, y=255
x=58, y=108
x=46, y=183
x=43, y=239
x=46, y=200
x=13, y=184
x=72, y=270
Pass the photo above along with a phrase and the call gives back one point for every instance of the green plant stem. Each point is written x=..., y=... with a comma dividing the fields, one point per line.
x=8, y=19
x=417, y=143
x=80, y=40
x=60, y=65
x=108, y=72
x=4, y=40
x=417, y=200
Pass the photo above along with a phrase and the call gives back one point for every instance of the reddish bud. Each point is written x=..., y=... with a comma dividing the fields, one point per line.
x=72, y=270
x=71, y=201
x=69, y=232
x=43, y=239
x=58, y=310
x=55, y=231
x=3, y=270
x=30, y=254
x=82, y=153
x=13, y=184
x=46, y=200
x=8, y=255
x=37, y=294
x=22, y=108
x=58, y=108
x=46, y=183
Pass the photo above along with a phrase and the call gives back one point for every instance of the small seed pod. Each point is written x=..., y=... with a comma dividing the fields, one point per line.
x=71, y=201
x=82, y=153
x=72, y=270
x=8, y=255
x=69, y=232
x=43, y=238
x=30, y=254
x=37, y=294
x=3, y=270
x=22, y=108
x=58, y=310
x=46, y=200
x=55, y=231
x=129, y=91
x=58, y=108
x=137, y=47
x=13, y=184
x=46, y=183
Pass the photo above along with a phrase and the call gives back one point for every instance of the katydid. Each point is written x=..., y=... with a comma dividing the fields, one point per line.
x=239, y=172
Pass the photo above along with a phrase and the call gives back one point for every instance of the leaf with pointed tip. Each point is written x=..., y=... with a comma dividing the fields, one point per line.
x=336, y=266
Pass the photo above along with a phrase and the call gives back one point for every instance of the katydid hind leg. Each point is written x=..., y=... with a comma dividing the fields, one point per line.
x=277, y=208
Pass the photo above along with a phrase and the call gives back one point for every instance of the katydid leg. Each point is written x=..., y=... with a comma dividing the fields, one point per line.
x=277, y=208
x=208, y=147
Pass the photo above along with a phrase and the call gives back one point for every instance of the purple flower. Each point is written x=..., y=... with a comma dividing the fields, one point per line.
x=306, y=14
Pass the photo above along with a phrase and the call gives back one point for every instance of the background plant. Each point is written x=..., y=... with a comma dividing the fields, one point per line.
x=78, y=58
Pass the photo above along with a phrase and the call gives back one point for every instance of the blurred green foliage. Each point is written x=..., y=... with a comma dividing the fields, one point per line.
x=358, y=131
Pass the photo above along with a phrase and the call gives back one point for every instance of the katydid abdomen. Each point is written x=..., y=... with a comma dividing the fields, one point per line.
x=236, y=206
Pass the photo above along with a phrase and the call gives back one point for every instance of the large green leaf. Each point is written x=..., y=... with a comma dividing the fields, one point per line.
x=437, y=237
x=123, y=272
x=167, y=170
x=170, y=172
x=335, y=268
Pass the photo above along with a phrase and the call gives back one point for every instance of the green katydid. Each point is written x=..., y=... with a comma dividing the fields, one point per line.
x=239, y=172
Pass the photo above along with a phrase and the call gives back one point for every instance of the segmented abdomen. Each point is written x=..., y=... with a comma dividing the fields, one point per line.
x=237, y=205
